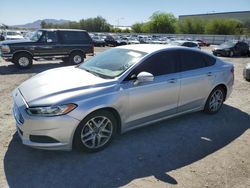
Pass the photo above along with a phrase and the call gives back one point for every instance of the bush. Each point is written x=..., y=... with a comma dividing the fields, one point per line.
x=224, y=27
x=191, y=26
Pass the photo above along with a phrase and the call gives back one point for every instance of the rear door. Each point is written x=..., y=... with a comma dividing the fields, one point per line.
x=196, y=79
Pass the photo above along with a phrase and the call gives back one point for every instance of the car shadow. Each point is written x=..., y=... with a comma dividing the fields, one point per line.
x=36, y=68
x=151, y=151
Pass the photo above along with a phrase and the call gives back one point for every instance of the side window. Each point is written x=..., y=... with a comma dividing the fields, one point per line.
x=158, y=64
x=49, y=35
x=52, y=36
x=75, y=37
x=191, y=60
x=210, y=61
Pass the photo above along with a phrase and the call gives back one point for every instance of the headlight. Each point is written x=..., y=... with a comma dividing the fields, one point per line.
x=51, y=110
x=5, y=49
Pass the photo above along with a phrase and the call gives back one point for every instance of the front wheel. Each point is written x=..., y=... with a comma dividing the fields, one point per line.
x=23, y=61
x=96, y=131
x=215, y=101
x=76, y=58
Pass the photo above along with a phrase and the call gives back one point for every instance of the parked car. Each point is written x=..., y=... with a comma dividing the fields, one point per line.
x=116, y=91
x=12, y=35
x=231, y=48
x=189, y=44
x=133, y=40
x=69, y=45
x=110, y=41
x=1, y=36
x=98, y=41
x=202, y=43
x=246, y=72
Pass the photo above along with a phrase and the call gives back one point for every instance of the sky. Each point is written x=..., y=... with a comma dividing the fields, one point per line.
x=116, y=12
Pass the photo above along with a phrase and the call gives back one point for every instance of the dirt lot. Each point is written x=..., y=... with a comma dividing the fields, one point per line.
x=195, y=150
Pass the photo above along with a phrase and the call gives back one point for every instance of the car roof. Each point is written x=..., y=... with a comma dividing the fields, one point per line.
x=149, y=48
x=62, y=30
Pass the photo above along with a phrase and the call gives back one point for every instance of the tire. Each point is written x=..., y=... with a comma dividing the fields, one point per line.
x=76, y=58
x=23, y=61
x=231, y=54
x=87, y=134
x=215, y=100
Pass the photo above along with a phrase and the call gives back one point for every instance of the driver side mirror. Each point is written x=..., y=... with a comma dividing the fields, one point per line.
x=144, y=77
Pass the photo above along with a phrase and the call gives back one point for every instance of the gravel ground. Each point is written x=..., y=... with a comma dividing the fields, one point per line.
x=195, y=150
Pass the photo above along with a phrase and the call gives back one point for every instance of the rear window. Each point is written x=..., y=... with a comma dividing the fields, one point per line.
x=75, y=37
x=191, y=60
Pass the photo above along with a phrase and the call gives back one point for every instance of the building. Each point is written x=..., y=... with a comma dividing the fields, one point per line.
x=242, y=16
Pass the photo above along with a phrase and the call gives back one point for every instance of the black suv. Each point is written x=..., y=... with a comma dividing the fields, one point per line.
x=66, y=44
x=231, y=48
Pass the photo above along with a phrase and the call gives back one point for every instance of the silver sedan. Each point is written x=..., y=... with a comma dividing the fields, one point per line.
x=119, y=90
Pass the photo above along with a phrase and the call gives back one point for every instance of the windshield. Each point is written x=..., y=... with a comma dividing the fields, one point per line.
x=228, y=44
x=36, y=36
x=112, y=63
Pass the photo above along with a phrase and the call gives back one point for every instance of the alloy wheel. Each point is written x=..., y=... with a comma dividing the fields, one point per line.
x=96, y=132
x=216, y=100
x=23, y=61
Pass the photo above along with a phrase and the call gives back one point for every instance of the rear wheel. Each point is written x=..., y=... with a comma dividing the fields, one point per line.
x=215, y=101
x=231, y=54
x=76, y=58
x=96, y=131
x=23, y=60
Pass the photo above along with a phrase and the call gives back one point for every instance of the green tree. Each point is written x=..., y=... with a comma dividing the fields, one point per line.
x=43, y=24
x=191, y=26
x=224, y=27
x=137, y=27
x=161, y=23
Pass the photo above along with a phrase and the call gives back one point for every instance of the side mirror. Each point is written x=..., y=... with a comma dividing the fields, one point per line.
x=144, y=77
x=49, y=40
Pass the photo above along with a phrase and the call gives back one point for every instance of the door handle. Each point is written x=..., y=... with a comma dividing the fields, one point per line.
x=173, y=80
x=209, y=74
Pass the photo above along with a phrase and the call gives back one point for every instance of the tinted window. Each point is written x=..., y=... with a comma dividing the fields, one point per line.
x=158, y=64
x=209, y=60
x=191, y=60
x=49, y=35
x=189, y=44
x=75, y=37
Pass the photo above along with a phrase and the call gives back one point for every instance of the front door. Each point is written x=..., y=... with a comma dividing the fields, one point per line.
x=48, y=44
x=152, y=100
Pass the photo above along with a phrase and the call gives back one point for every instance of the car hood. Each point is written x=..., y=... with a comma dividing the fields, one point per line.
x=60, y=85
x=21, y=41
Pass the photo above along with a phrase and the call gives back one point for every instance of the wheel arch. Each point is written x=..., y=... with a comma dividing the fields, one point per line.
x=22, y=51
x=78, y=50
x=224, y=87
x=110, y=109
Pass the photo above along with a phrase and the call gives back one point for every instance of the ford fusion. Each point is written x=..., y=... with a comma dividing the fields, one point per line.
x=116, y=91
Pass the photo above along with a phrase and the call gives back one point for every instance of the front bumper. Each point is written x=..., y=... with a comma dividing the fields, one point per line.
x=221, y=52
x=246, y=72
x=6, y=57
x=58, y=129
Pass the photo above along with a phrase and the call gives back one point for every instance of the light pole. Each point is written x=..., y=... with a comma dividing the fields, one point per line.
x=118, y=21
